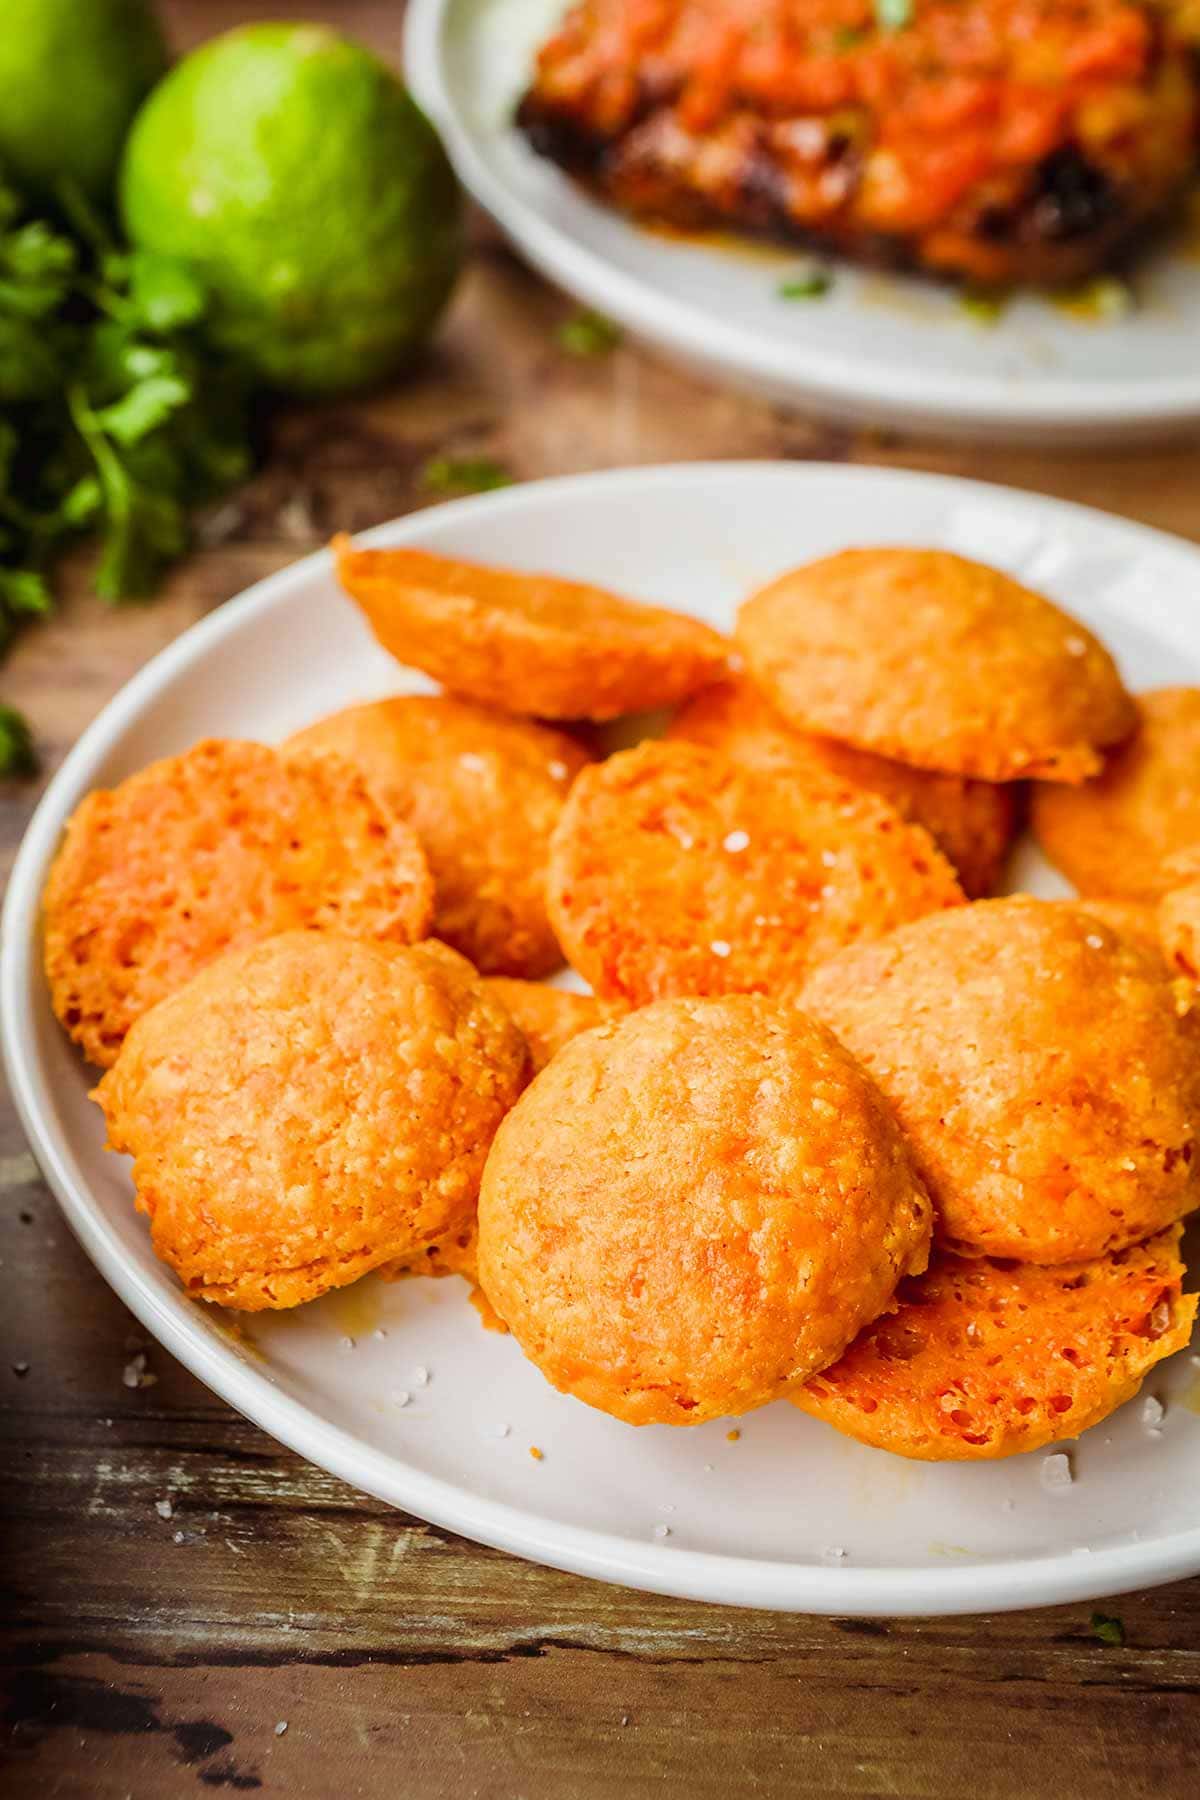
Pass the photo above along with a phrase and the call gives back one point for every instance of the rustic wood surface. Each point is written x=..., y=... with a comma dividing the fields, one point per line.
x=280, y=1632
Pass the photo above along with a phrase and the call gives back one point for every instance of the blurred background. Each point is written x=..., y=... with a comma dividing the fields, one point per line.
x=509, y=387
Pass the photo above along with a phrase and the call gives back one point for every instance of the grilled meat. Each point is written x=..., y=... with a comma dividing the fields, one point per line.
x=994, y=140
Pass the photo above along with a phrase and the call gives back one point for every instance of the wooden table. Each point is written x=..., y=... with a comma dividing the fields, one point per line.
x=277, y=1631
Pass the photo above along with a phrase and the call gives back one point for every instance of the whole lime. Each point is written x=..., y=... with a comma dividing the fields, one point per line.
x=294, y=173
x=72, y=75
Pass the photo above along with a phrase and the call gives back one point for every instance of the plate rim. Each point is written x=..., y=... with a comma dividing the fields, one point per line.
x=1052, y=408
x=1008, y=1583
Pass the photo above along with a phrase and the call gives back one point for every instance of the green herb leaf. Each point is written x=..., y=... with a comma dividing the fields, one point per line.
x=893, y=15
x=589, y=334
x=1105, y=297
x=165, y=292
x=463, y=475
x=144, y=408
x=81, y=503
x=36, y=268
x=1108, y=1628
x=146, y=526
x=846, y=36
x=18, y=758
x=984, y=305
x=809, y=284
x=24, y=591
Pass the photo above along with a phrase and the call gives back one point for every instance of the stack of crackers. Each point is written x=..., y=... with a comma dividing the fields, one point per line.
x=833, y=1125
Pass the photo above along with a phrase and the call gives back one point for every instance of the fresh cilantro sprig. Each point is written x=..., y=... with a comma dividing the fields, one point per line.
x=115, y=418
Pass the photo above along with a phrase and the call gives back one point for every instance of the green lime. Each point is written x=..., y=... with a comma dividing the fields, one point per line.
x=291, y=169
x=72, y=75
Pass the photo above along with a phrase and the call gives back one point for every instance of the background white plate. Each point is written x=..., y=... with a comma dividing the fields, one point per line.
x=878, y=349
x=756, y=1521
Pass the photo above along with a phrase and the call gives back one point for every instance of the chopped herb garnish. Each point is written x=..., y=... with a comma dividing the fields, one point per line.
x=1105, y=297
x=589, y=334
x=1108, y=1628
x=18, y=758
x=463, y=475
x=893, y=15
x=808, y=284
x=984, y=305
x=846, y=36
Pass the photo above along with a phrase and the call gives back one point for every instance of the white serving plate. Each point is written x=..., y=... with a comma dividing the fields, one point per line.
x=754, y=1522
x=877, y=350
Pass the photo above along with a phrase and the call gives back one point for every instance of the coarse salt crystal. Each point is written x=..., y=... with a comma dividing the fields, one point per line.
x=135, y=1374
x=1094, y=941
x=737, y=840
x=420, y=1375
x=719, y=947
x=178, y=1537
x=1056, y=1472
x=834, y=1553
x=163, y=1508
x=379, y=1332
x=558, y=770
x=829, y=858
x=401, y=1397
x=666, y=1506
x=281, y=1727
x=346, y=1343
x=501, y=1431
x=662, y=1531
x=1076, y=646
x=1152, y=1414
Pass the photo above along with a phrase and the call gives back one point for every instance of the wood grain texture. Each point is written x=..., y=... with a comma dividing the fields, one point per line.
x=148, y=1655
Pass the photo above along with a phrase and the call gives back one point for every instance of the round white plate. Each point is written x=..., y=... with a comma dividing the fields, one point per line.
x=878, y=349
x=790, y=1515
